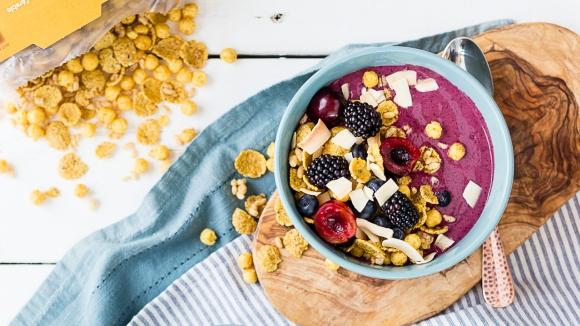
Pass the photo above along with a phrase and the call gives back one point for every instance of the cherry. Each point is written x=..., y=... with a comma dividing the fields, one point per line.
x=399, y=155
x=335, y=222
x=325, y=105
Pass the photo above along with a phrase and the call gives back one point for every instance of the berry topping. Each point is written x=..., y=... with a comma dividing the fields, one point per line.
x=375, y=184
x=335, y=222
x=368, y=211
x=307, y=205
x=325, y=105
x=362, y=119
x=327, y=168
x=382, y=220
x=398, y=233
x=399, y=155
x=444, y=198
x=400, y=211
x=359, y=150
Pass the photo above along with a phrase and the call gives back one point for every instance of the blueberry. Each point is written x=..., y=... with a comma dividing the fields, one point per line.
x=398, y=234
x=359, y=150
x=307, y=205
x=375, y=184
x=382, y=220
x=368, y=211
x=444, y=198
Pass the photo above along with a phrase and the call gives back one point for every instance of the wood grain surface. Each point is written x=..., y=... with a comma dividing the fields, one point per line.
x=536, y=70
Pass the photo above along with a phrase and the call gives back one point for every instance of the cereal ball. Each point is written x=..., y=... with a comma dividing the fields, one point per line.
x=434, y=218
x=398, y=258
x=112, y=92
x=125, y=103
x=90, y=61
x=139, y=76
x=37, y=197
x=174, y=15
x=188, y=107
x=141, y=166
x=229, y=55
x=208, y=237
x=433, y=130
x=175, y=65
x=119, y=125
x=88, y=129
x=36, y=115
x=160, y=152
x=186, y=136
x=186, y=26
x=184, y=75
x=106, y=115
x=81, y=190
x=65, y=78
x=199, y=78
x=151, y=62
x=331, y=265
x=162, y=72
x=414, y=240
x=370, y=79
x=75, y=66
x=52, y=192
x=456, y=151
x=35, y=131
x=143, y=42
x=189, y=10
x=245, y=260
x=162, y=30
x=127, y=83
x=250, y=276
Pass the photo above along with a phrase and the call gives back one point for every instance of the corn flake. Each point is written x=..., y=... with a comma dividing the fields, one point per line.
x=243, y=222
x=194, y=54
x=109, y=64
x=94, y=80
x=172, y=92
x=281, y=216
x=105, y=149
x=436, y=230
x=125, y=51
x=57, y=135
x=152, y=89
x=269, y=257
x=389, y=112
x=149, y=132
x=47, y=96
x=143, y=106
x=295, y=243
x=250, y=163
x=70, y=114
x=427, y=194
x=168, y=48
x=359, y=171
x=71, y=167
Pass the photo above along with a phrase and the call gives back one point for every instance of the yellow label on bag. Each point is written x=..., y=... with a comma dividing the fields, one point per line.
x=42, y=22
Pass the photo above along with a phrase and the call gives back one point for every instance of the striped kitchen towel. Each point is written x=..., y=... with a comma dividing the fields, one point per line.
x=546, y=271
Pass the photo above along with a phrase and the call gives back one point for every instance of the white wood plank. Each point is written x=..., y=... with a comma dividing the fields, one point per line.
x=18, y=284
x=43, y=234
x=319, y=27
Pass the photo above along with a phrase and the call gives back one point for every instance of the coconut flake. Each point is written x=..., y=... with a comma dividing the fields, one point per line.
x=406, y=248
x=358, y=199
x=293, y=142
x=471, y=193
x=375, y=229
x=378, y=96
x=340, y=187
x=367, y=97
x=442, y=145
x=443, y=242
x=345, y=88
x=369, y=234
x=359, y=234
x=359, y=140
x=323, y=198
x=310, y=192
x=369, y=192
x=377, y=171
x=348, y=157
x=426, y=259
x=426, y=85
x=402, y=93
x=344, y=139
x=410, y=76
x=316, y=138
x=386, y=191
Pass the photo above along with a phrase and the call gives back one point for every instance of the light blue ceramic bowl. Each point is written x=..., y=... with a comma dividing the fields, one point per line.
x=500, y=137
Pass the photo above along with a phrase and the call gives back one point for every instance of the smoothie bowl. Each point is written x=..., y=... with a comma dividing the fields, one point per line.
x=393, y=163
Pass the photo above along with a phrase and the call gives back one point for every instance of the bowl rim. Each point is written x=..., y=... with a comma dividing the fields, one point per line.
x=500, y=139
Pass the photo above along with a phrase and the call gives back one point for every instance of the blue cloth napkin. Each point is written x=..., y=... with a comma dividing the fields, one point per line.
x=109, y=276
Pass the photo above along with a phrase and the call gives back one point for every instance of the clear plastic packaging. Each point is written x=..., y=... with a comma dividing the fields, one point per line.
x=34, y=61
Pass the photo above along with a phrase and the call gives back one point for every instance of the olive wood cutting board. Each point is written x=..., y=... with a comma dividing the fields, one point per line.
x=536, y=72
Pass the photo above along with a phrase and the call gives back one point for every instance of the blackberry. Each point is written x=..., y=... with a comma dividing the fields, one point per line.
x=400, y=211
x=362, y=119
x=327, y=168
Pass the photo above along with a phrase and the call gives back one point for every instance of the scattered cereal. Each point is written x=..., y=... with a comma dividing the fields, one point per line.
x=105, y=149
x=57, y=135
x=250, y=163
x=149, y=132
x=427, y=194
x=389, y=112
x=160, y=152
x=186, y=136
x=245, y=260
x=6, y=167
x=141, y=166
x=331, y=265
x=52, y=192
x=281, y=216
x=239, y=188
x=188, y=107
x=429, y=161
x=71, y=167
x=37, y=197
x=255, y=204
x=208, y=237
x=295, y=243
x=93, y=204
x=269, y=257
x=433, y=130
x=456, y=151
x=434, y=218
x=81, y=190
x=250, y=276
x=229, y=55
x=243, y=222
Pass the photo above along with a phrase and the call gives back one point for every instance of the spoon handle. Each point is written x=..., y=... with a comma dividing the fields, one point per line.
x=498, y=286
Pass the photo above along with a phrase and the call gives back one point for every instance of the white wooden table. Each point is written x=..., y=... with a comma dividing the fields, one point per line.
x=277, y=38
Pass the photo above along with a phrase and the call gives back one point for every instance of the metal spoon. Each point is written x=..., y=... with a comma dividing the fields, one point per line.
x=498, y=287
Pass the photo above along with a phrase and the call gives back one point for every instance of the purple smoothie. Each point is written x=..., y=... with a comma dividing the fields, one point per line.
x=461, y=122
